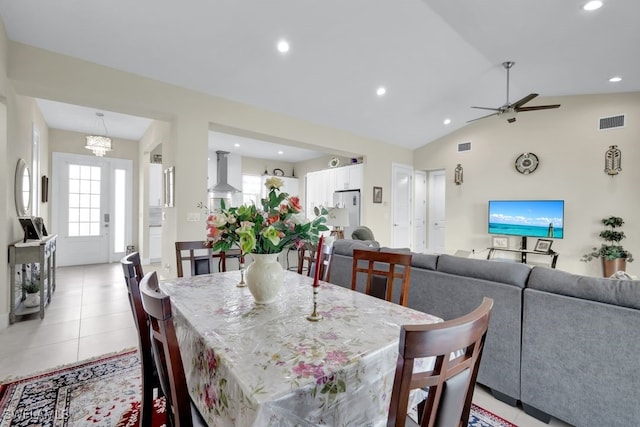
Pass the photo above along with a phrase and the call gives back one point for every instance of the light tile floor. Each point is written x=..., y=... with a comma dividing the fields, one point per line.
x=89, y=316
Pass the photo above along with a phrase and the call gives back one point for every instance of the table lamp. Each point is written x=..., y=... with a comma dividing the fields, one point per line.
x=338, y=218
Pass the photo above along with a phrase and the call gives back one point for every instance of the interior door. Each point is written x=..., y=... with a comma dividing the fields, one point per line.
x=437, y=223
x=91, y=208
x=401, y=196
x=420, y=215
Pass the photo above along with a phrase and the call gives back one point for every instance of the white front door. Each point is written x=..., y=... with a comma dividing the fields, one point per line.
x=91, y=208
x=420, y=216
x=437, y=183
x=401, y=196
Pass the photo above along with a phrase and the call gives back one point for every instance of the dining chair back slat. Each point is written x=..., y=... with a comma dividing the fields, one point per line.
x=380, y=268
x=457, y=346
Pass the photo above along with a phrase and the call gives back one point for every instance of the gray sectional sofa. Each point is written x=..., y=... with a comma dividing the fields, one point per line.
x=563, y=345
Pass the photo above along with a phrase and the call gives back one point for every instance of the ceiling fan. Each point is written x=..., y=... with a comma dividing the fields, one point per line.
x=510, y=110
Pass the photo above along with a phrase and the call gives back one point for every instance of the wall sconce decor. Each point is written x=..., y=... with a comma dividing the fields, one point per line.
x=613, y=160
x=44, y=185
x=457, y=175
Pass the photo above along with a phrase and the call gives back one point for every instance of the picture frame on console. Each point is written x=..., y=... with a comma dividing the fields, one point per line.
x=500, y=242
x=543, y=245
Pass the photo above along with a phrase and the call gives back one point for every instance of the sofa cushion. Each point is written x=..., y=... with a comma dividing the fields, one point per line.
x=426, y=261
x=395, y=250
x=346, y=246
x=515, y=274
x=625, y=293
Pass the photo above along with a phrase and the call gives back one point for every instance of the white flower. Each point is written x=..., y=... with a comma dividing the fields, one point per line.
x=274, y=183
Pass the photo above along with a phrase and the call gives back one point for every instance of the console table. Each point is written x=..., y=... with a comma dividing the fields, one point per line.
x=523, y=254
x=42, y=252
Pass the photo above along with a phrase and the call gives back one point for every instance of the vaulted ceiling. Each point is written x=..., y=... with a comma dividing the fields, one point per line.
x=436, y=58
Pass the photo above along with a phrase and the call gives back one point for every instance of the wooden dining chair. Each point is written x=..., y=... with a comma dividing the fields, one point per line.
x=164, y=341
x=381, y=272
x=326, y=257
x=306, y=255
x=199, y=261
x=457, y=346
x=133, y=274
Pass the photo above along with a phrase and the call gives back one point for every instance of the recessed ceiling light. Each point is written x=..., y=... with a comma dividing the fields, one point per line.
x=283, y=46
x=615, y=79
x=592, y=5
x=381, y=91
x=236, y=145
x=280, y=152
x=447, y=121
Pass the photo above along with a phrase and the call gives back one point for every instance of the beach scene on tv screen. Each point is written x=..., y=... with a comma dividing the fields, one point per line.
x=531, y=218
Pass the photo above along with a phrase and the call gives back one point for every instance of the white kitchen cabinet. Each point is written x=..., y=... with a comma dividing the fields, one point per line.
x=320, y=185
x=155, y=184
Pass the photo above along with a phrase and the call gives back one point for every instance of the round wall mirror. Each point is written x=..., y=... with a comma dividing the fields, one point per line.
x=23, y=188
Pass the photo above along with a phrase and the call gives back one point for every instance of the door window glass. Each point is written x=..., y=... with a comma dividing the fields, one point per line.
x=84, y=200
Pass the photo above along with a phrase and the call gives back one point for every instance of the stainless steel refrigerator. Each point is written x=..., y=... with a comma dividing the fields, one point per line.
x=349, y=199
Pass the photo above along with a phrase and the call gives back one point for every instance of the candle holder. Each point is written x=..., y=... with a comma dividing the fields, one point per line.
x=314, y=317
x=241, y=283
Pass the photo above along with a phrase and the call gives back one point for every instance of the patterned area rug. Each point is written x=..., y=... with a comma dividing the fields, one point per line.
x=104, y=393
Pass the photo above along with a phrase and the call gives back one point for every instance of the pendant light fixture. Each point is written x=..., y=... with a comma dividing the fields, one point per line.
x=99, y=143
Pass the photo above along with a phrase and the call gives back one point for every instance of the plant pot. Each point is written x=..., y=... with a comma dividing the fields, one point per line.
x=264, y=277
x=611, y=266
x=32, y=300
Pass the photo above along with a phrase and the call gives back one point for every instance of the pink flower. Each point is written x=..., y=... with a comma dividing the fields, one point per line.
x=304, y=369
x=337, y=356
x=294, y=204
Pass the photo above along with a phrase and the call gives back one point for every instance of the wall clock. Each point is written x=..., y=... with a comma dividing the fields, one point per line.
x=526, y=163
x=334, y=162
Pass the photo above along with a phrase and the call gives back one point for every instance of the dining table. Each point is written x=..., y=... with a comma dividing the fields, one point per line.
x=249, y=364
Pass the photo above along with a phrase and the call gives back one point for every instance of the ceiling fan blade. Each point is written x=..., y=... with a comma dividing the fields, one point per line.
x=487, y=108
x=538, y=107
x=524, y=100
x=483, y=117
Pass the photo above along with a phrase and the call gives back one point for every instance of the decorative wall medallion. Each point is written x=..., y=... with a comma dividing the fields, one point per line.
x=526, y=163
x=613, y=160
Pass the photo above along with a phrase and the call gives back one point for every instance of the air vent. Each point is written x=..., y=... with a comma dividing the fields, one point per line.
x=612, y=122
x=464, y=146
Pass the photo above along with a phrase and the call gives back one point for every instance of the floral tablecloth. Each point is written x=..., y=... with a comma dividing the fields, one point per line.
x=267, y=365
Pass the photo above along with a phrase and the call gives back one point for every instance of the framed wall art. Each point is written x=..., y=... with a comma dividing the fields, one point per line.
x=377, y=194
x=169, y=187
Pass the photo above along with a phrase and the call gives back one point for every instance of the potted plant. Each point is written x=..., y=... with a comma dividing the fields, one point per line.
x=32, y=290
x=614, y=256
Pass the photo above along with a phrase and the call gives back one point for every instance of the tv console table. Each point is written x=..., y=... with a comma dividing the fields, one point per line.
x=523, y=254
x=42, y=252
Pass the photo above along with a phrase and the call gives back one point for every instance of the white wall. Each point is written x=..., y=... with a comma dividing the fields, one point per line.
x=39, y=73
x=571, y=152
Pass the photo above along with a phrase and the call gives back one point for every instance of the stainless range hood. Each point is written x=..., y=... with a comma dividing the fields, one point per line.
x=222, y=189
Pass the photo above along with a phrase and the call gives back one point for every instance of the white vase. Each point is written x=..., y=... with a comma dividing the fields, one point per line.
x=32, y=300
x=264, y=277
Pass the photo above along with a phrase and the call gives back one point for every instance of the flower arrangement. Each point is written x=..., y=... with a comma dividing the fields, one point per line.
x=278, y=225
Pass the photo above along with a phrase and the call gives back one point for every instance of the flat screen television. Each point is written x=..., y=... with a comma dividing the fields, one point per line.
x=527, y=218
